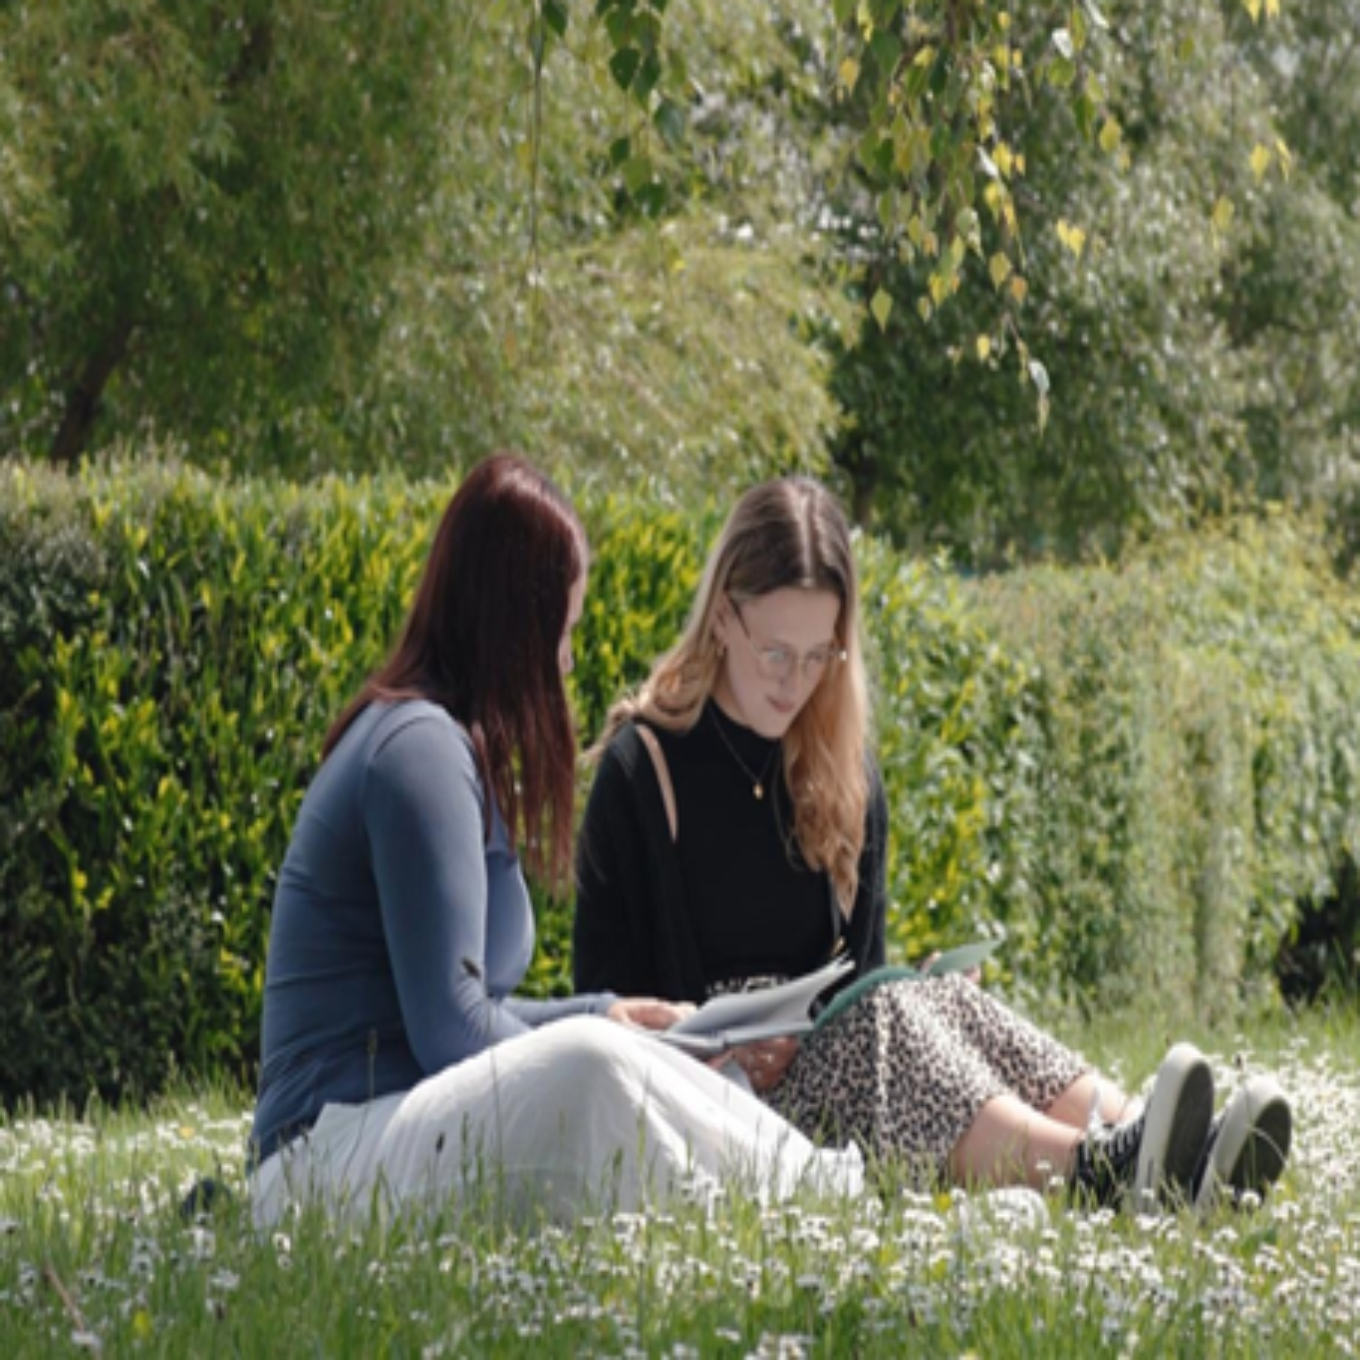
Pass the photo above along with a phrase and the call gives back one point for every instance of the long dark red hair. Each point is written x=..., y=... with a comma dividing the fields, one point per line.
x=482, y=640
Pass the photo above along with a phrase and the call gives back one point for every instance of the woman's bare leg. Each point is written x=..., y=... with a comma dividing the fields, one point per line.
x=1074, y=1107
x=1010, y=1144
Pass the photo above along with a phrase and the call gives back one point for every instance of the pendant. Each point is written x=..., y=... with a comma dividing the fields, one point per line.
x=760, y=792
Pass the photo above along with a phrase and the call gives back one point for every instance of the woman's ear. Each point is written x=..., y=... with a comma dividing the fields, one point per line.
x=722, y=624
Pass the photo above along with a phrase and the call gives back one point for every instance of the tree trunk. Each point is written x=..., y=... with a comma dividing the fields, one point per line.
x=82, y=405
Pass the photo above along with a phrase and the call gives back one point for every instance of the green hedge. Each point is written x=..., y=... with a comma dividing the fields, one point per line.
x=1136, y=774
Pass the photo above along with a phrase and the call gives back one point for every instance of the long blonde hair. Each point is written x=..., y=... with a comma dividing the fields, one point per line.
x=785, y=534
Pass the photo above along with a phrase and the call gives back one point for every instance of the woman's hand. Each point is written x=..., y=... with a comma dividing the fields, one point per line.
x=764, y=1063
x=645, y=1012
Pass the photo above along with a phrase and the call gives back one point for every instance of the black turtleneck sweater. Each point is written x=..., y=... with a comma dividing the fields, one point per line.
x=756, y=908
x=729, y=898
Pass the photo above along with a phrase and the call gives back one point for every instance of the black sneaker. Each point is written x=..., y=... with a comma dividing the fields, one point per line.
x=1248, y=1145
x=1157, y=1152
x=1107, y=1160
x=1179, y=1112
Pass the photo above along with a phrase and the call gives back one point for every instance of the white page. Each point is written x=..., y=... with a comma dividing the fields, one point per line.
x=781, y=1009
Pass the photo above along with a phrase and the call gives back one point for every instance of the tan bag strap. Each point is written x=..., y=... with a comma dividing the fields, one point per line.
x=663, y=774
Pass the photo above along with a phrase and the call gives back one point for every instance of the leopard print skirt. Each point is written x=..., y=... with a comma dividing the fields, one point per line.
x=906, y=1069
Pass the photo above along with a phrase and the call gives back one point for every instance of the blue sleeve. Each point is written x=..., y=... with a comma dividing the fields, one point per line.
x=535, y=1013
x=422, y=804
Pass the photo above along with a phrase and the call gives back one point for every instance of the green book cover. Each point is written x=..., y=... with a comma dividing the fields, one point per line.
x=962, y=959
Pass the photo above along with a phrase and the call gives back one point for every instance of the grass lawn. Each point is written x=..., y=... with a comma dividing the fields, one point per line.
x=94, y=1256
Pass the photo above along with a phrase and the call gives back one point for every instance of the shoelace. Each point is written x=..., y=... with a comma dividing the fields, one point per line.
x=1120, y=1141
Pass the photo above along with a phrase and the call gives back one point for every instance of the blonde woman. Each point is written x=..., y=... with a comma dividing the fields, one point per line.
x=737, y=833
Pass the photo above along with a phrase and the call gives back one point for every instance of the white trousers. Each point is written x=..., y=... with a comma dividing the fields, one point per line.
x=579, y=1116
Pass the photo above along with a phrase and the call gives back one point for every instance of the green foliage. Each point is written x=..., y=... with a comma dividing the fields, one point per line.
x=1198, y=763
x=201, y=205
x=175, y=651
x=1136, y=775
x=300, y=241
x=940, y=103
x=1197, y=358
x=545, y=310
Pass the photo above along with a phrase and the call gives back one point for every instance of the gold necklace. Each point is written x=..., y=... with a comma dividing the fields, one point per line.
x=757, y=780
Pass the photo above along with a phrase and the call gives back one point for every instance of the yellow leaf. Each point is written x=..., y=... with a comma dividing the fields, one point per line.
x=1260, y=161
x=1003, y=158
x=939, y=287
x=926, y=310
x=1074, y=238
x=849, y=74
x=1019, y=288
x=1223, y=213
x=1110, y=136
x=924, y=57
x=1020, y=164
x=142, y=1326
x=984, y=347
x=881, y=307
x=1286, y=157
x=999, y=267
x=1253, y=8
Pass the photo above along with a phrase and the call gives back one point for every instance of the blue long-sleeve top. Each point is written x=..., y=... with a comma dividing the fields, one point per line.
x=399, y=928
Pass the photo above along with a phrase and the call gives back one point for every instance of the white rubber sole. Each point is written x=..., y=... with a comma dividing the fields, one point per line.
x=1252, y=1146
x=1180, y=1109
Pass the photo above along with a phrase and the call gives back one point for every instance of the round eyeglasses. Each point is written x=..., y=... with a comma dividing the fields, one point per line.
x=779, y=663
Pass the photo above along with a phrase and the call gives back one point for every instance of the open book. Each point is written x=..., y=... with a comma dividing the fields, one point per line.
x=786, y=1008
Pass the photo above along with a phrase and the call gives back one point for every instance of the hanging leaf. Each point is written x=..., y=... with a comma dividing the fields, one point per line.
x=623, y=66
x=555, y=16
x=881, y=307
x=669, y=120
x=1062, y=73
x=1260, y=161
x=999, y=267
x=984, y=347
x=849, y=74
x=637, y=172
x=1073, y=237
x=1223, y=213
x=1110, y=136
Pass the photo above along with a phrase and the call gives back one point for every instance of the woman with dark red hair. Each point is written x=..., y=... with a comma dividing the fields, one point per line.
x=395, y=1060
